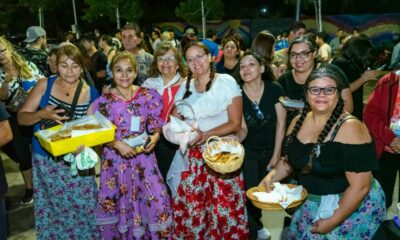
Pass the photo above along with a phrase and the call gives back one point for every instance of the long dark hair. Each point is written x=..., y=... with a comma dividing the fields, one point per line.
x=190, y=75
x=324, y=71
x=359, y=52
x=263, y=45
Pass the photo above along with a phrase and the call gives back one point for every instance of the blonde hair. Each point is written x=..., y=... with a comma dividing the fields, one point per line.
x=18, y=61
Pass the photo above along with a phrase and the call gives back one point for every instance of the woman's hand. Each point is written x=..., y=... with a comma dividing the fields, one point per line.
x=274, y=160
x=323, y=226
x=200, y=139
x=78, y=150
x=395, y=145
x=49, y=112
x=124, y=149
x=153, y=141
x=267, y=182
x=369, y=75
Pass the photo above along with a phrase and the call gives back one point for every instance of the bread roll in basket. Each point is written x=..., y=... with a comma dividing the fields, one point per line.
x=223, y=156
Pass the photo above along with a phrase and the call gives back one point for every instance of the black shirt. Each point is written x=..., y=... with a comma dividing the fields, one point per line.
x=293, y=90
x=99, y=60
x=261, y=131
x=234, y=72
x=328, y=169
x=352, y=74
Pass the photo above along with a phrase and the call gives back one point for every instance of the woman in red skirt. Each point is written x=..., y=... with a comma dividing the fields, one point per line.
x=206, y=204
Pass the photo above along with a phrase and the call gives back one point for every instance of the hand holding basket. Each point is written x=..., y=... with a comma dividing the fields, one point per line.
x=181, y=132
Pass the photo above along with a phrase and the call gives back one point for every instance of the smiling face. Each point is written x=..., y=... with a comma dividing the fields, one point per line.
x=167, y=63
x=250, y=68
x=68, y=70
x=198, y=60
x=301, y=57
x=124, y=73
x=322, y=102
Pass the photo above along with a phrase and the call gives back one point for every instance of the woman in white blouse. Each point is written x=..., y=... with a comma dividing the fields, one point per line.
x=207, y=205
x=167, y=73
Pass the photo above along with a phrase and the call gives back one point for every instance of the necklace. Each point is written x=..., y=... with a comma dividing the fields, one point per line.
x=66, y=90
x=123, y=95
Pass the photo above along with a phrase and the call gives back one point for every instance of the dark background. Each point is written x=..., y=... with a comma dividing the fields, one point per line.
x=59, y=20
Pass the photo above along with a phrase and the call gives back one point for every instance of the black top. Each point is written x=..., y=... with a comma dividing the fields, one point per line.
x=99, y=60
x=234, y=72
x=261, y=131
x=352, y=73
x=293, y=90
x=3, y=182
x=328, y=169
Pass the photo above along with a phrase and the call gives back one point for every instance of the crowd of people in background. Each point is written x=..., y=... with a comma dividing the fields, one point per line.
x=339, y=146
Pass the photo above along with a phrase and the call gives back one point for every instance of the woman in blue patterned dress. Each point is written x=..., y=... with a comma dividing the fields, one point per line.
x=332, y=156
x=64, y=205
x=133, y=200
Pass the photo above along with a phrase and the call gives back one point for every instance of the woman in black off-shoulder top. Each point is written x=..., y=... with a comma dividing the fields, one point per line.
x=332, y=155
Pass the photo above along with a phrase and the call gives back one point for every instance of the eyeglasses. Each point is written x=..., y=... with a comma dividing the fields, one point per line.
x=195, y=58
x=166, y=58
x=259, y=114
x=302, y=54
x=326, y=90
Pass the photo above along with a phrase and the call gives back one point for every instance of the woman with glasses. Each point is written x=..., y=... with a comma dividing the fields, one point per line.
x=265, y=119
x=167, y=73
x=302, y=57
x=229, y=62
x=332, y=155
x=206, y=204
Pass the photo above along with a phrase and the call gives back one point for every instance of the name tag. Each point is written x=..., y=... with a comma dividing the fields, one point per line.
x=135, y=124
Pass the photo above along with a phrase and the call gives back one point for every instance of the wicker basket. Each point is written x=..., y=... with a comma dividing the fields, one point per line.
x=231, y=163
x=175, y=137
x=273, y=205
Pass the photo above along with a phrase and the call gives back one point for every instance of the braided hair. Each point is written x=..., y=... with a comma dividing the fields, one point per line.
x=190, y=75
x=333, y=72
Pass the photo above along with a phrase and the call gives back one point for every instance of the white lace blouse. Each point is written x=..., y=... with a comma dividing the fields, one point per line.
x=211, y=107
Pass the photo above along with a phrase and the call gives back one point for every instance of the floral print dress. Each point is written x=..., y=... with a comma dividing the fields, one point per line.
x=133, y=201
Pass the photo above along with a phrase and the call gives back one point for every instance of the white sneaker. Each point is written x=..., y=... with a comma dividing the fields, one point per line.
x=263, y=234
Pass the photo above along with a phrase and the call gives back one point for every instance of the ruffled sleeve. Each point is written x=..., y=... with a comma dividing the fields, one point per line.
x=154, y=107
x=215, y=100
x=352, y=157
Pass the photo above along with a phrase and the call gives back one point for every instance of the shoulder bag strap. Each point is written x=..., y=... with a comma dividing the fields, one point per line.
x=75, y=100
x=339, y=124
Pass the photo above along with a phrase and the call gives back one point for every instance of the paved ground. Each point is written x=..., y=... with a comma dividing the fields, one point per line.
x=21, y=220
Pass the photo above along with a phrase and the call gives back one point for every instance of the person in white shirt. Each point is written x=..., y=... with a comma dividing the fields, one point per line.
x=324, y=51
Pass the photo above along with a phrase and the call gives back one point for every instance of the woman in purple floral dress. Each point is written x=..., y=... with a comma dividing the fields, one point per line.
x=133, y=201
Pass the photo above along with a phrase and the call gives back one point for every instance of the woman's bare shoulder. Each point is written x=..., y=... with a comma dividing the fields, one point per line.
x=353, y=131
